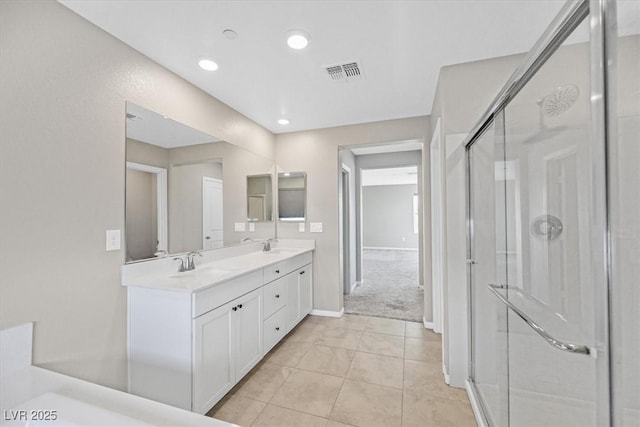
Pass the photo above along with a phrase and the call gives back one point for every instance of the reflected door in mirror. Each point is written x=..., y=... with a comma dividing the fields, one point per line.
x=212, y=213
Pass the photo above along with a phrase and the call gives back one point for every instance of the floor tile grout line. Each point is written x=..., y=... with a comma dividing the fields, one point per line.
x=404, y=360
x=376, y=384
x=344, y=379
x=259, y=412
x=297, y=410
x=293, y=410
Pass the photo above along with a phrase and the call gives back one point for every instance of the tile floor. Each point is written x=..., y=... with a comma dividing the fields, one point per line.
x=350, y=371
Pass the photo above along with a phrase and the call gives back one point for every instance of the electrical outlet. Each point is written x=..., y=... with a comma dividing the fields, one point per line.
x=113, y=240
x=301, y=227
x=252, y=226
x=315, y=227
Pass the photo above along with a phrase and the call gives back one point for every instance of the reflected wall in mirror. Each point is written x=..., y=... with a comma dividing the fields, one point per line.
x=292, y=196
x=259, y=198
x=185, y=189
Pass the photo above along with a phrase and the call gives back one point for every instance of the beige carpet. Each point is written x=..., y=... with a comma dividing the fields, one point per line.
x=390, y=286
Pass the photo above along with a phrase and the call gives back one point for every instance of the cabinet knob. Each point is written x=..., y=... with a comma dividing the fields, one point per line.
x=302, y=272
x=277, y=295
x=277, y=328
x=239, y=305
x=277, y=271
x=234, y=308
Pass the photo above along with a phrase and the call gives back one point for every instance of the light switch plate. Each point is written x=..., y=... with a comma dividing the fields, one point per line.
x=113, y=240
x=301, y=227
x=239, y=226
x=252, y=226
x=315, y=227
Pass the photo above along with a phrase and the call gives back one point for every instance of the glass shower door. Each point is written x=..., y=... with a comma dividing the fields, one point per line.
x=537, y=228
x=555, y=231
x=488, y=257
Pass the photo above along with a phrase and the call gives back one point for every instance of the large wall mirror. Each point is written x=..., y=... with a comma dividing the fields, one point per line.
x=292, y=196
x=186, y=190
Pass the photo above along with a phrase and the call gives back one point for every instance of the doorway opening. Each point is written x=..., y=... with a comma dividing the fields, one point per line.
x=380, y=231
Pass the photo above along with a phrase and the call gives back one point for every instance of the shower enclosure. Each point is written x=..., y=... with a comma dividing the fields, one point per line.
x=553, y=197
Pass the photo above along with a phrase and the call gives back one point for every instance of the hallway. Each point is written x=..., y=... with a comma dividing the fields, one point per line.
x=390, y=286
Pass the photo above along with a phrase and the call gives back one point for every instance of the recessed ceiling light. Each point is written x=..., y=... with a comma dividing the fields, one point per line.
x=283, y=122
x=297, y=39
x=207, y=64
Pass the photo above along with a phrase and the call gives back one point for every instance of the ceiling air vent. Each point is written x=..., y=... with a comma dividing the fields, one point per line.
x=344, y=72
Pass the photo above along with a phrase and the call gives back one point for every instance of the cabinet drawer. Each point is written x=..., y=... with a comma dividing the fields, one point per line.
x=275, y=271
x=274, y=329
x=299, y=261
x=215, y=296
x=274, y=296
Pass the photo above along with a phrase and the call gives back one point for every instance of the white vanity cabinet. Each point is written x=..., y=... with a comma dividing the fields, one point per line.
x=287, y=299
x=188, y=348
x=227, y=344
x=299, y=295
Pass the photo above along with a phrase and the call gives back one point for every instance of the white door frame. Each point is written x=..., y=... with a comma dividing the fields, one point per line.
x=345, y=231
x=161, y=197
x=437, y=227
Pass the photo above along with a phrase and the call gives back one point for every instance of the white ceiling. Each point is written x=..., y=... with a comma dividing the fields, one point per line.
x=390, y=176
x=401, y=46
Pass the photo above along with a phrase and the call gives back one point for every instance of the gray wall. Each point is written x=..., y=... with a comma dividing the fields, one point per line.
x=316, y=152
x=142, y=215
x=62, y=133
x=387, y=216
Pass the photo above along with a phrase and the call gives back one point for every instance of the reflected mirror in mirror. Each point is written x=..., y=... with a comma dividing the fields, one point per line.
x=259, y=198
x=292, y=196
x=185, y=189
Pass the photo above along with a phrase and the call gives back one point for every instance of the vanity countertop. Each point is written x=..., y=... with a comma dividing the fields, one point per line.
x=214, y=272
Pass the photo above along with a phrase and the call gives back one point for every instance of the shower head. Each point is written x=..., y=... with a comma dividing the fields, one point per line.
x=559, y=101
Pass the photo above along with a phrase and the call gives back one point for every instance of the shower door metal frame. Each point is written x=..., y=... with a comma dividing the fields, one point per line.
x=603, y=26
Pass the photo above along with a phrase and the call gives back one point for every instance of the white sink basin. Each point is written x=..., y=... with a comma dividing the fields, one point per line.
x=53, y=409
x=213, y=271
x=279, y=251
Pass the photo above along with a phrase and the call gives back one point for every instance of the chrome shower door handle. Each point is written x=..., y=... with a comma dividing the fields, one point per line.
x=560, y=345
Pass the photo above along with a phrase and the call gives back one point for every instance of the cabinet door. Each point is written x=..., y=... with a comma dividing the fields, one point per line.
x=293, y=300
x=247, y=318
x=305, y=279
x=213, y=363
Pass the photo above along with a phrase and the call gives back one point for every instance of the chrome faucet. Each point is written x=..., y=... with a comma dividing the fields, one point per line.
x=266, y=245
x=182, y=267
x=190, y=264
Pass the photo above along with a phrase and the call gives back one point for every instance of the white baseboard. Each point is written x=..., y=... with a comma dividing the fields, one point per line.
x=427, y=325
x=447, y=379
x=326, y=313
x=354, y=285
x=475, y=405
